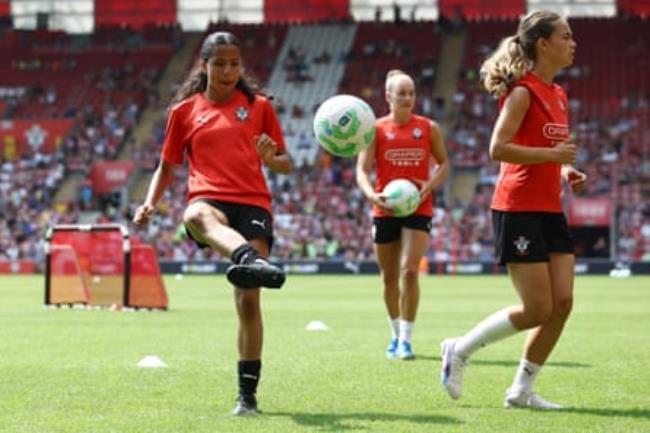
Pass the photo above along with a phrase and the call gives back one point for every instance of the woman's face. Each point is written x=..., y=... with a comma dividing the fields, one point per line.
x=224, y=69
x=560, y=47
x=401, y=94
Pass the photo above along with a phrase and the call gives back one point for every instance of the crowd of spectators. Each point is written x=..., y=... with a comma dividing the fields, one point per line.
x=319, y=212
x=27, y=186
x=296, y=65
x=366, y=67
x=114, y=96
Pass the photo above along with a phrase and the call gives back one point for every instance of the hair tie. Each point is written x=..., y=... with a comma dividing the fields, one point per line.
x=516, y=39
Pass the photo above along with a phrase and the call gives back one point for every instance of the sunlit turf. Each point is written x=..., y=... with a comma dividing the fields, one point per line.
x=76, y=371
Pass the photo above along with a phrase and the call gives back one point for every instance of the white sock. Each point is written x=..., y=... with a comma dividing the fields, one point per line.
x=526, y=375
x=405, y=330
x=495, y=327
x=394, y=327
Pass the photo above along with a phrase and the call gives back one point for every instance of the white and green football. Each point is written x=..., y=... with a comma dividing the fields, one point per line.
x=344, y=125
x=402, y=196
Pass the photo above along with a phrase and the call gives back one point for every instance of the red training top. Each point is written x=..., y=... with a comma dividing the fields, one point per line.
x=535, y=187
x=218, y=138
x=403, y=151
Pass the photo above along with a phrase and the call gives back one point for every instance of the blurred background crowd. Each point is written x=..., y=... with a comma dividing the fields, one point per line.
x=82, y=120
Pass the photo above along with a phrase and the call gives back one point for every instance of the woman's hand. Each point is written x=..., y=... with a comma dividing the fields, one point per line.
x=564, y=153
x=266, y=147
x=424, y=187
x=576, y=179
x=143, y=214
x=379, y=200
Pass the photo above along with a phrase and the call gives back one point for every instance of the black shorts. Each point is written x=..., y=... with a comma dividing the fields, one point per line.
x=389, y=229
x=252, y=222
x=529, y=236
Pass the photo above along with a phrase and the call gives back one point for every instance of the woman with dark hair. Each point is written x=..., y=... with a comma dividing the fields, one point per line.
x=531, y=140
x=228, y=130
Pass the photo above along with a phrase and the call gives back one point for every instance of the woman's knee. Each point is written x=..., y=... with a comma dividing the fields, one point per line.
x=562, y=307
x=537, y=313
x=195, y=216
x=390, y=279
x=410, y=272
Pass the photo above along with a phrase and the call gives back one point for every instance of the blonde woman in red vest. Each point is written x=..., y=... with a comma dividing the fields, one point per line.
x=531, y=139
x=227, y=130
x=406, y=146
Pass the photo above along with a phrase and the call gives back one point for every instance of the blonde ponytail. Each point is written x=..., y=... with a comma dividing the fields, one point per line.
x=505, y=66
x=517, y=54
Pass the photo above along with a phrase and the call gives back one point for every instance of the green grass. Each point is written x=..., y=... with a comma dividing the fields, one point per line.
x=75, y=371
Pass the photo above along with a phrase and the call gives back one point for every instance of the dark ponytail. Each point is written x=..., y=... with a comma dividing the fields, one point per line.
x=197, y=80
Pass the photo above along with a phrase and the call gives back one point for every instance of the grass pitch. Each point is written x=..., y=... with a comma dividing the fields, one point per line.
x=73, y=371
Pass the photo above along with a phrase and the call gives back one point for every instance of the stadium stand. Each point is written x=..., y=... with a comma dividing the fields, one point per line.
x=93, y=115
x=320, y=214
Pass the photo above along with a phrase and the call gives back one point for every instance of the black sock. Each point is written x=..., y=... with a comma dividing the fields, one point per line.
x=249, y=375
x=244, y=254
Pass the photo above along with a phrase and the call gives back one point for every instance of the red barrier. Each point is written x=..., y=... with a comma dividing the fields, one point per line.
x=634, y=7
x=17, y=267
x=478, y=9
x=305, y=11
x=135, y=14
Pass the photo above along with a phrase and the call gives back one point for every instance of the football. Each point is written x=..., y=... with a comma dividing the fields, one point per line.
x=344, y=125
x=402, y=196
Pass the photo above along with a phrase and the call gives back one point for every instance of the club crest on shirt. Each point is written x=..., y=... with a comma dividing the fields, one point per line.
x=417, y=133
x=242, y=114
x=521, y=243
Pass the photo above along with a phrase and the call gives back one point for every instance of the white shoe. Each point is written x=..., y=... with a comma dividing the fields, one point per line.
x=521, y=398
x=451, y=373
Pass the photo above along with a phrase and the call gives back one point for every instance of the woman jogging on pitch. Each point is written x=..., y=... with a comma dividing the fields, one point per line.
x=531, y=139
x=228, y=130
x=405, y=146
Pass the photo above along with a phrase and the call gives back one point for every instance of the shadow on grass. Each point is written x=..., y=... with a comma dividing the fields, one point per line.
x=504, y=363
x=608, y=412
x=337, y=422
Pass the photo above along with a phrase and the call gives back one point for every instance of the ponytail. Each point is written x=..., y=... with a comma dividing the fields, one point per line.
x=517, y=54
x=505, y=66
